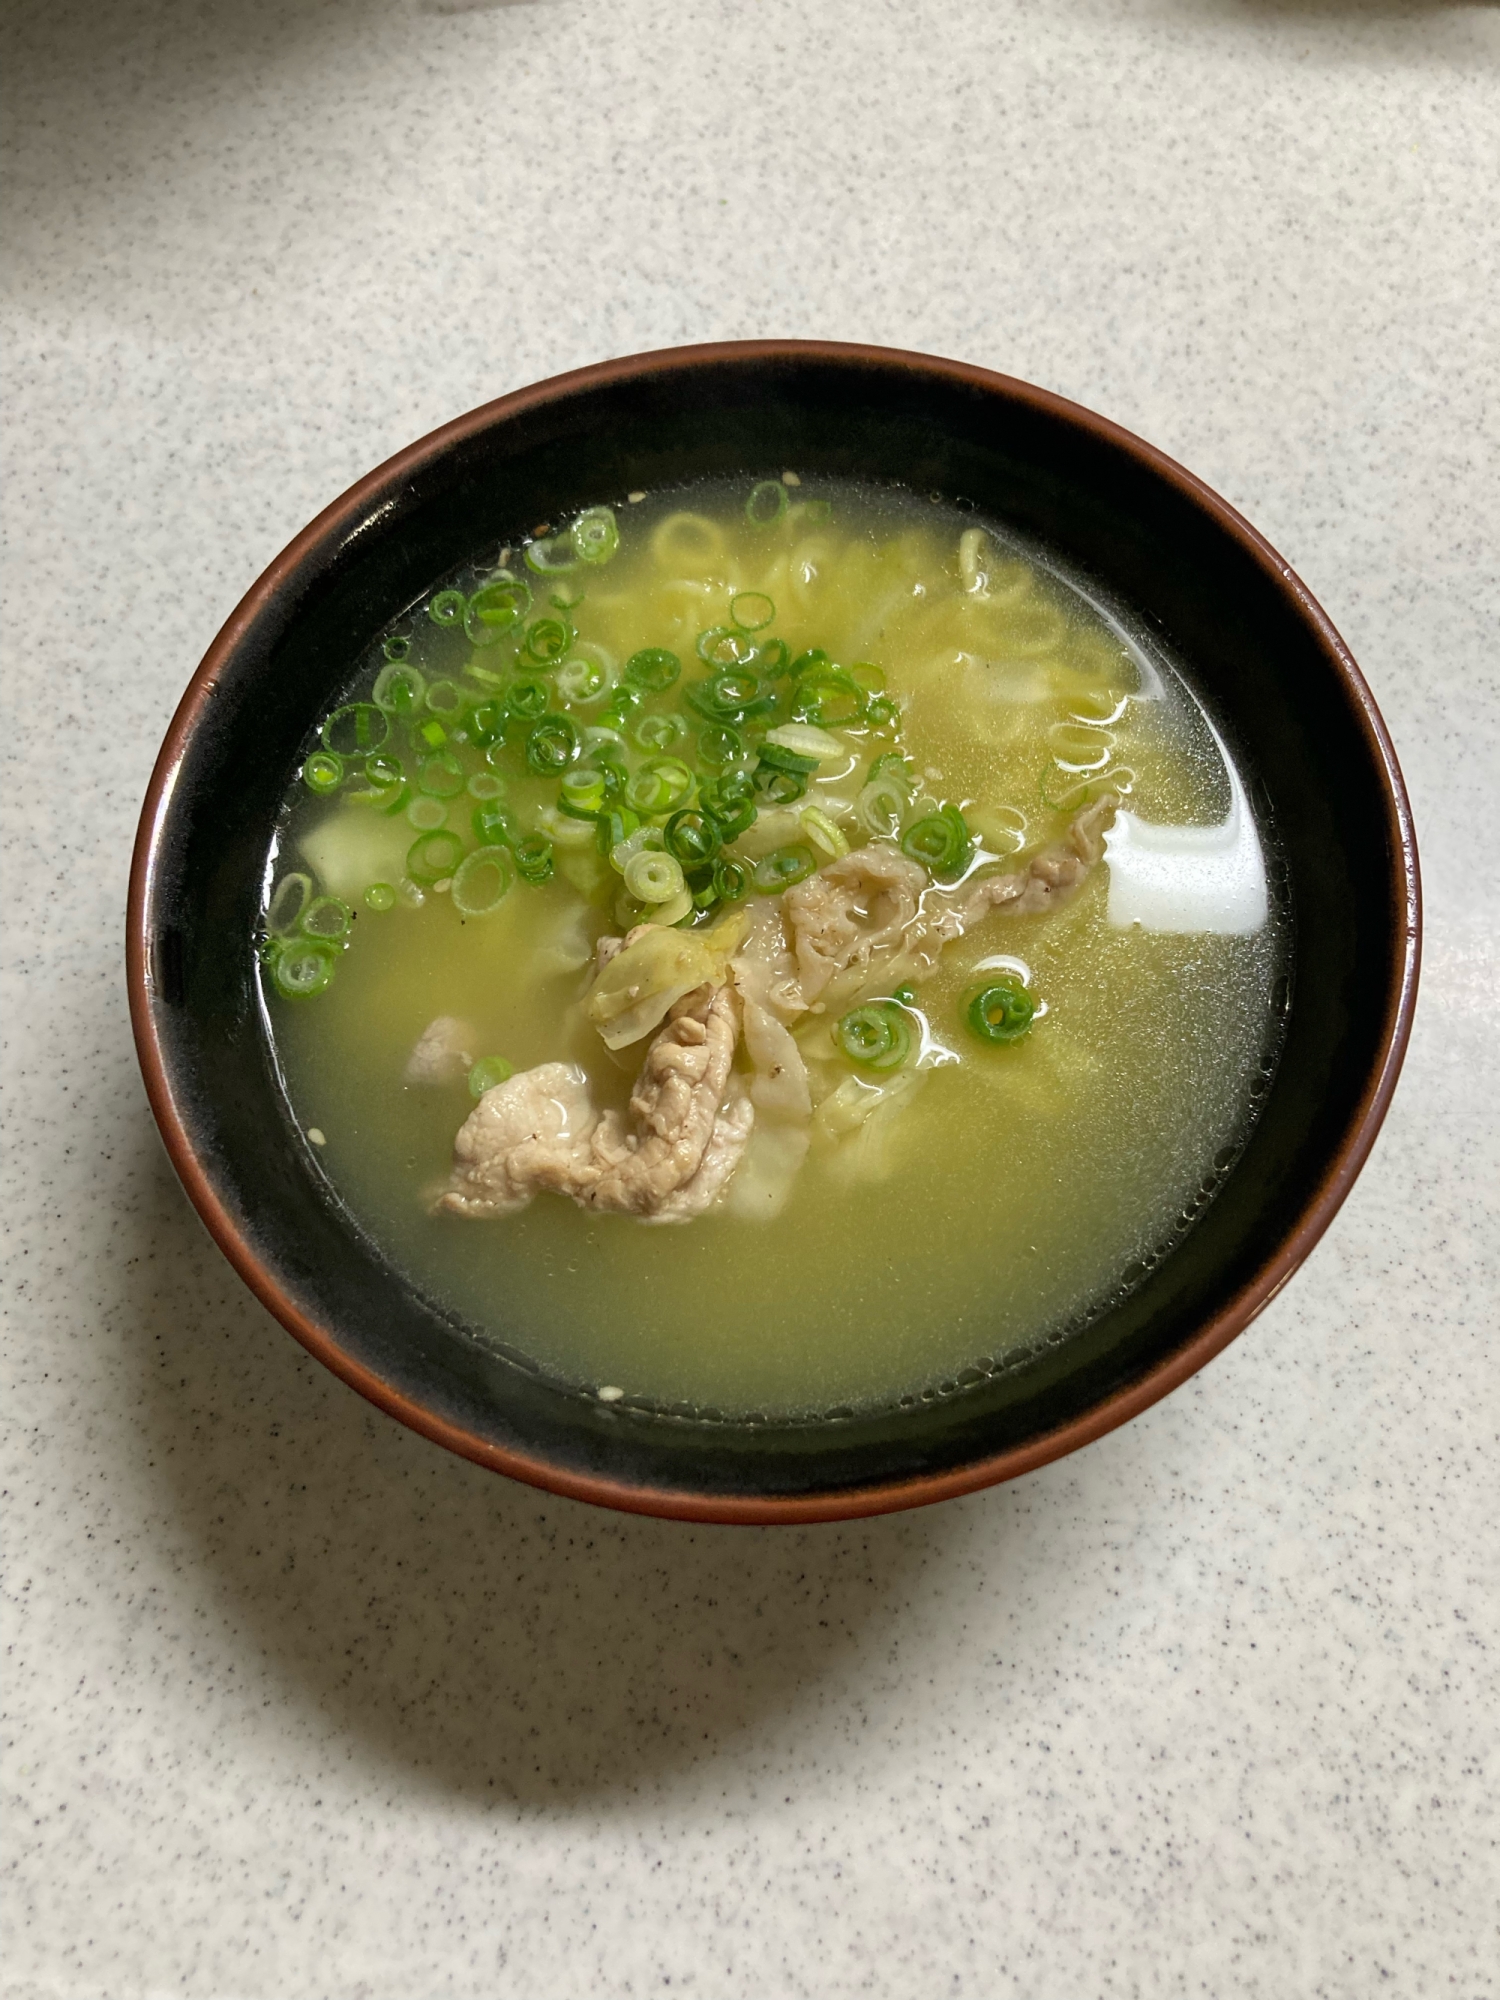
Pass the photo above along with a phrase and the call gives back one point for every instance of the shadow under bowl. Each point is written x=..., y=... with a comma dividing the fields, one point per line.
x=1223, y=603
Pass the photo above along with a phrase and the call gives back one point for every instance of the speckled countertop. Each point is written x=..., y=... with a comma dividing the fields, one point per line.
x=298, y=1706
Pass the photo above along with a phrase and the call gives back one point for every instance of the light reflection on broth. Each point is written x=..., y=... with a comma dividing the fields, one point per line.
x=998, y=1190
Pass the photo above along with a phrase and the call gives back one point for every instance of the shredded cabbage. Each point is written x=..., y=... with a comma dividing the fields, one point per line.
x=635, y=991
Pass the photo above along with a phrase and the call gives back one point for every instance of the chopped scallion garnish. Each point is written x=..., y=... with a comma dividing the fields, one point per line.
x=877, y=1036
x=481, y=880
x=766, y=504
x=595, y=535
x=779, y=870
x=434, y=857
x=552, y=745
x=653, y=668
x=751, y=610
x=487, y=1072
x=941, y=842
x=1002, y=1012
x=323, y=772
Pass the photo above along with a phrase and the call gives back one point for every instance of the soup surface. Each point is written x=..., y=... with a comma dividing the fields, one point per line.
x=881, y=801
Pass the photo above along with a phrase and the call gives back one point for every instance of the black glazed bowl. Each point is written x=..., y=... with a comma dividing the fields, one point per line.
x=1260, y=651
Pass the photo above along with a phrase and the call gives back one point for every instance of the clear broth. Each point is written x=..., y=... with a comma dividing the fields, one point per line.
x=1014, y=1192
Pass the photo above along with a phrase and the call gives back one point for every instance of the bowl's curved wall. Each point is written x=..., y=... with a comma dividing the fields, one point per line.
x=1258, y=647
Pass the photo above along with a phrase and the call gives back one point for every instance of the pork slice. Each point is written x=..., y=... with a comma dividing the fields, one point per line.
x=528, y=1133
x=666, y=1159
x=848, y=911
x=726, y=1146
x=1049, y=879
x=677, y=1097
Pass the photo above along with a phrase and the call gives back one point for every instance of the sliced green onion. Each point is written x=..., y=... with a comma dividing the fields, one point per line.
x=433, y=857
x=891, y=764
x=582, y=680
x=487, y=1072
x=384, y=771
x=719, y=745
x=615, y=826
x=828, y=698
x=731, y=881
x=323, y=772
x=396, y=648
x=779, y=870
x=595, y=535
x=303, y=969
x=724, y=646
x=441, y=776
x=623, y=703
x=485, y=785
x=327, y=918
x=881, y=807
x=552, y=745
x=496, y=609
x=941, y=842
x=551, y=555
x=653, y=668
x=679, y=910
x=781, y=786
x=583, y=792
x=824, y=833
x=751, y=610
x=659, y=732
x=427, y=813
x=660, y=784
x=731, y=800
x=881, y=710
x=733, y=695
x=481, y=880
x=447, y=608
x=806, y=662
x=356, y=729
x=877, y=1036
x=380, y=896
x=653, y=877
x=446, y=698
x=486, y=724
x=485, y=676
x=528, y=699
x=399, y=688
x=1002, y=1012
x=534, y=859
x=547, y=639
x=291, y=897
x=865, y=674
x=492, y=823
x=806, y=741
x=906, y=995
x=432, y=733
x=766, y=504
x=604, y=746
x=692, y=836
x=780, y=758
x=565, y=827
x=774, y=655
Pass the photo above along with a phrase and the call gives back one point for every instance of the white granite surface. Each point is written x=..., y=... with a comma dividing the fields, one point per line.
x=297, y=1705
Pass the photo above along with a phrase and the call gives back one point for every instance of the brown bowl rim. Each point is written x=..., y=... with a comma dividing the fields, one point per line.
x=852, y=1502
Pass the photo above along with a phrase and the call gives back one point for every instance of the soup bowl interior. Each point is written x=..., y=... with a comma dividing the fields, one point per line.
x=1261, y=655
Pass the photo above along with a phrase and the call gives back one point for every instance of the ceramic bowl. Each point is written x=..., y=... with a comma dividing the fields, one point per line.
x=1260, y=651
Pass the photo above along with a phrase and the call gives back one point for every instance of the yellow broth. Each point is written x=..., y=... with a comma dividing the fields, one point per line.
x=1012, y=1189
